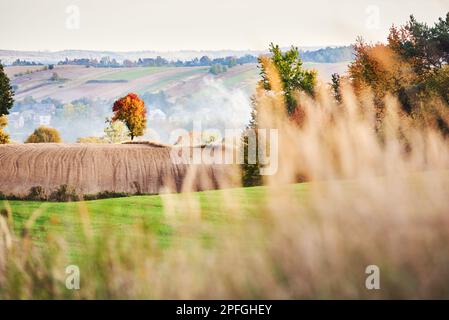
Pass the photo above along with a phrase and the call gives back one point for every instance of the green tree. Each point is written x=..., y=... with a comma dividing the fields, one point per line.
x=292, y=74
x=205, y=61
x=250, y=171
x=232, y=62
x=336, y=87
x=293, y=78
x=6, y=93
x=217, y=69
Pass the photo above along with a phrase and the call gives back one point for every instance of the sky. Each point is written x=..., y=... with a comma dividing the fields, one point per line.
x=171, y=25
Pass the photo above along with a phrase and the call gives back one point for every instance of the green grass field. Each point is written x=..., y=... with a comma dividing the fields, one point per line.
x=132, y=73
x=164, y=81
x=251, y=76
x=112, y=214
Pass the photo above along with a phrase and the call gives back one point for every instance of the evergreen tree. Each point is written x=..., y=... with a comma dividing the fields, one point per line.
x=6, y=93
x=6, y=103
x=294, y=78
x=250, y=172
x=336, y=87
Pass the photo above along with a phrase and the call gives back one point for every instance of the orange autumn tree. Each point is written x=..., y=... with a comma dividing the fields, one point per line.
x=131, y=110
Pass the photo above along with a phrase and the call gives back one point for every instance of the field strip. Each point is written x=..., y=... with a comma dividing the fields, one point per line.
x=68, y=85
x=173, y=77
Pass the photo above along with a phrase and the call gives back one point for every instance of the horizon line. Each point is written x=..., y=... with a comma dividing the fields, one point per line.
x=174, y=50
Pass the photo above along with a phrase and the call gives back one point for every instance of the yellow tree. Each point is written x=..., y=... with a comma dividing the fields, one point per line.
x=44, y=135
x=131, y=110
x=4, y=137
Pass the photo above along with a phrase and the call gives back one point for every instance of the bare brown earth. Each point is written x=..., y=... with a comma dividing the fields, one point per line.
x=93, y=168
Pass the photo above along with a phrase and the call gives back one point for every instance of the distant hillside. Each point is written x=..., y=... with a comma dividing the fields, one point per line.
x=329, y=55
x=47, y=57
x=310, y=54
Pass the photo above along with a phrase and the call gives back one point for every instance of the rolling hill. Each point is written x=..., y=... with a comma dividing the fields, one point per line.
x=109, y=83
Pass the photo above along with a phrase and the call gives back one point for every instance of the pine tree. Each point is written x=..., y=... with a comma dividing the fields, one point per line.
x=6, y=103
x=6, y=93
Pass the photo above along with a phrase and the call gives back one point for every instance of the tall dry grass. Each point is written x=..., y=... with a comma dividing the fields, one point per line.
x=376, y=196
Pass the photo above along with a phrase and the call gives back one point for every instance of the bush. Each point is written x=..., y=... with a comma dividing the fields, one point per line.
x=55, y=77
x=250, y=172
x=64, y=194
x=106, y=195
x=44, y=135
x=4, y=137
x=91, y=140
x=217, y=69
x=37, y=193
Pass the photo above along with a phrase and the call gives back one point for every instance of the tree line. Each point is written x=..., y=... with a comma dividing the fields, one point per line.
x=229, y=61
x=323, y=55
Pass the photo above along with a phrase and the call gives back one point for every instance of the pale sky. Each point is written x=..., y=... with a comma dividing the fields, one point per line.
x=131, y=25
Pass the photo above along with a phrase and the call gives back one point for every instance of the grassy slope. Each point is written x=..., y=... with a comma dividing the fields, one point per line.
x=65, y=217
x=251, y=75
x=36, y=84
x=161, y=83
x=133, y=73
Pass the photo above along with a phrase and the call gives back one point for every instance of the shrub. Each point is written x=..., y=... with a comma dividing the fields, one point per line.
x=64, y=193
x=4, y=137
x=105, y=195
x=217, y=69
x=37, y=193
x=4, y=213
x=138, y=188
x=91, y=140
x=55, y=77
x=44, y=135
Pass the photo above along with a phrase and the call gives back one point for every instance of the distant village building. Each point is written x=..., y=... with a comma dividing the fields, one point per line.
x=43, y=108
x=16, y=120
x=36, y=114
x=44, y=120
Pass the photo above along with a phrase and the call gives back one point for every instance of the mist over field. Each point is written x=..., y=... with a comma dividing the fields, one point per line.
x=216, y=102
x=175, y=96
